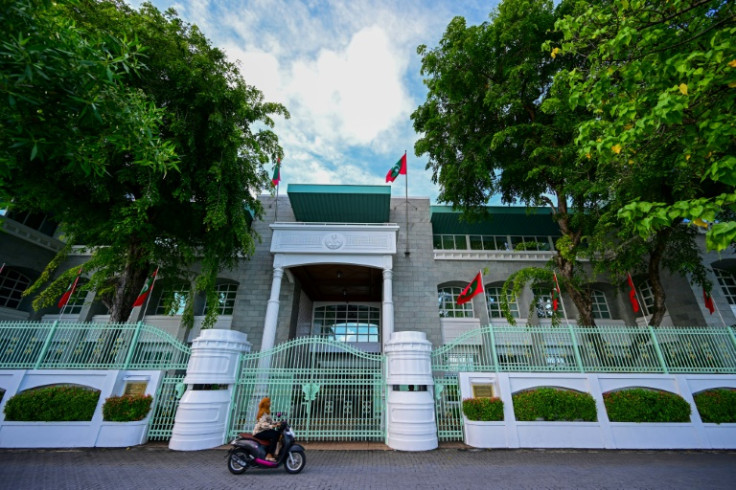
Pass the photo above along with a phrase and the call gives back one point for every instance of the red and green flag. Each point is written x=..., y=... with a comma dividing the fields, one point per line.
x=709, y=301
x=396, y=170
x=632, y=294
x=276, y=173
x=146, y=289
x=556, y=293
x=69, y=290
x=471, y=290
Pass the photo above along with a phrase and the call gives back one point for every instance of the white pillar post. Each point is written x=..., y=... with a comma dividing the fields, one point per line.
x=410, y=420
x=272, y=311
x=388, y=306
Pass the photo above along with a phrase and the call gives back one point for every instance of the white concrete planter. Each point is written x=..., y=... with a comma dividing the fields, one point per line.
x=485, y=434
x=720, y=436
x=122, y=434
x=655, y=435
x=48, y=434
x=558, y=434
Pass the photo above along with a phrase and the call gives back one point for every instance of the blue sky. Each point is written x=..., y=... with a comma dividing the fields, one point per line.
x=347, y=71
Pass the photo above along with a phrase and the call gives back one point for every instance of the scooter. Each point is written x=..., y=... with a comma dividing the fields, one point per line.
x=248, y=451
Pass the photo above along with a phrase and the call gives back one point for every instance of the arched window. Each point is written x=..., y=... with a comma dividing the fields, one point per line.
x=447, y=298
x=173, y=300
x=600, y=305
x=76, y=300
x=545, y=308
x=493, y=295
x=226, y=292
x=646, y=297
x=348, y=323
x=12, y=285
x=727, y=281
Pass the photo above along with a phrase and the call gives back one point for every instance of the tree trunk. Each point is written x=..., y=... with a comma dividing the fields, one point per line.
x=655, y=281
x=128, y=285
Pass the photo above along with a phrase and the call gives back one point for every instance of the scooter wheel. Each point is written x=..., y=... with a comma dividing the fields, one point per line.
x=295, y=461
x=237, y=462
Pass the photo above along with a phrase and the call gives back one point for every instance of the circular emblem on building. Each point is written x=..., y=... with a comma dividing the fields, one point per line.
x=333, y=241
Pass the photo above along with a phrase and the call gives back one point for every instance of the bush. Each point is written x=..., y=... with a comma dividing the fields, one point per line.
x=643, y=405
x=717, y=406
x=483, y=409
x=53, y=404
x=126, y=408
x=554, y=404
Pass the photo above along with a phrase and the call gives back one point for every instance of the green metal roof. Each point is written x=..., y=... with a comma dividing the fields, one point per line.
x=340, y=203
x=501, y=220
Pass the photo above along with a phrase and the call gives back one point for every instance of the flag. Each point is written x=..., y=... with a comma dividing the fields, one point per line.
x=709, y=301
x=276, y=173
x=69, y=290
x=555, y=293
x=632, y=294
x=396, y=170
x=471, y=290
x=146, y=289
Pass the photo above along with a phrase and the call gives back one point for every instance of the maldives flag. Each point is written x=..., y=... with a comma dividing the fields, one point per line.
x=555, y=294
x=69, y=290
x=471, y=290
x=276, y=174
x=396, y=170
x=146, y=289
x=632, y=294
x=709, y=301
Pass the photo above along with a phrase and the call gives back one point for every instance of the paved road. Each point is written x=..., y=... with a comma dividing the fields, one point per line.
x=150, y=468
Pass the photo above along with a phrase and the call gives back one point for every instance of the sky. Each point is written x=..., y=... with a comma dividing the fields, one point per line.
x=347, y=71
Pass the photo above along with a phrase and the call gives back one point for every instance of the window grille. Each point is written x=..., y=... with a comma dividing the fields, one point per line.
x=447, y=298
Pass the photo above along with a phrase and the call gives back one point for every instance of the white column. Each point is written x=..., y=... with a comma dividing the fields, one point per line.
x=272, y=311
x=388, y=306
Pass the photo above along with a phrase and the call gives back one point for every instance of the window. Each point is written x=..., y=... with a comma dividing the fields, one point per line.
x=12, y=285
x=488, y=242
x=646, y=296
x=447, y=298
x=544, y=302
x=727, y=283
x=600, y=305
x=493, y=294
x=76, y=300
x=450, y=242
x=530, y=243
x=173, y=301
x=226, y=293
x=347, y=323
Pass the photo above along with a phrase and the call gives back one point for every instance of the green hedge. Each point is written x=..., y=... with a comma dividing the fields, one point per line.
x=126, y=408
x=717, y=406
x=554, y=404
x=644, y=405
x=483, y=409
x=53, y=404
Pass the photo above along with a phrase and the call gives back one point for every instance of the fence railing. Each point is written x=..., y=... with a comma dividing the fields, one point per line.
x=601, y=349
x=61, y=345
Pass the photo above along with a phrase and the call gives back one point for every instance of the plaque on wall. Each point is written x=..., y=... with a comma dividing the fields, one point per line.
x=135, y=388
x=483, y=391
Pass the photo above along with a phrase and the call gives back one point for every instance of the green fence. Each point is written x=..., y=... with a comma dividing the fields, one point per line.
x=60, y=345
x=603, y=349
x=327, y=390
x=164, y=409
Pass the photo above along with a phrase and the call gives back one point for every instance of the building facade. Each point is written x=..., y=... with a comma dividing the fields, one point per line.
x=354, y=264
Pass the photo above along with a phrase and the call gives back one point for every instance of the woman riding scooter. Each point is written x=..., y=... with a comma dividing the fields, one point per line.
x=265, y=428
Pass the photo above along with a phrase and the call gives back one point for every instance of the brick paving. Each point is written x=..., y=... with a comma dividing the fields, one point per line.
x=375, y=466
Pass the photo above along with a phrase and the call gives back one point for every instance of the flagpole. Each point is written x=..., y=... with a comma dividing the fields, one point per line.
x=485, y=298
x=641, y=303
x=406, y=188
x=276, y=212
x=148, y=298
x=718, y=310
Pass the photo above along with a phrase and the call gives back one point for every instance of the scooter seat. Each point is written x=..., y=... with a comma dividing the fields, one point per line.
x=245, y=435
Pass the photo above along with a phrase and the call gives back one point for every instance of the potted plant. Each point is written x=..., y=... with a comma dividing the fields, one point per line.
x=717, y=410
x=644, y=418
x=556, y=417
x=125, y=420
x=483, y=424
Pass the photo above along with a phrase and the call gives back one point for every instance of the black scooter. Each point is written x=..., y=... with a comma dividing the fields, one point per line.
x=249, y=452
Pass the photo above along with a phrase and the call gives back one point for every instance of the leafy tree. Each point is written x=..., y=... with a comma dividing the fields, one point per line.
x=660, y=81
x=136, y=216
x=493, y=123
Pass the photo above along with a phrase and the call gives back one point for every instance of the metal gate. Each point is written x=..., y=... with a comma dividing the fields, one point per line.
x=327, y=390
x=166, y=402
